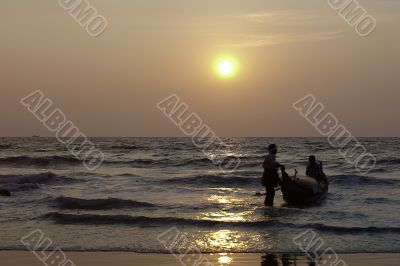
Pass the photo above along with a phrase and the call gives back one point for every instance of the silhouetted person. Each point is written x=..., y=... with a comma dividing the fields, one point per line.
x=270, y=177
x=314, y=169
x=274, y=259
x=269, y=260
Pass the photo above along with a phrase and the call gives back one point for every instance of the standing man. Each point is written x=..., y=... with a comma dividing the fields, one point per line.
x=270, y=177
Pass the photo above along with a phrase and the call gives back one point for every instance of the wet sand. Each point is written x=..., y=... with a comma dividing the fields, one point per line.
x=22, y=258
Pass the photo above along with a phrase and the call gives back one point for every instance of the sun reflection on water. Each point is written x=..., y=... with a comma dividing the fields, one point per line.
x=226, y=240
x=220, y=199
x=222, y=240
x=224, y=259
x=223, y=216
x=225, y=153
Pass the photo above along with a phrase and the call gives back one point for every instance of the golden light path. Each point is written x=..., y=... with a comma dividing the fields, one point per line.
x=224, y=259
x=226, y=240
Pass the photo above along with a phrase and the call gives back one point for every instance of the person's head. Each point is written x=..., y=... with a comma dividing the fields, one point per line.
x=312, y=159
x=272, y=149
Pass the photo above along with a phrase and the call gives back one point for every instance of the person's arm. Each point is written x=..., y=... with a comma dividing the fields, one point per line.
x=281, y=166
x=265, y=163
x=308, y=171
x=270, y=163
x=278, y=165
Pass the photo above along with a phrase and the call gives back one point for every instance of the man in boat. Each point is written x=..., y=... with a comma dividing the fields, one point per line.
x=270, y=177
x=314, y=169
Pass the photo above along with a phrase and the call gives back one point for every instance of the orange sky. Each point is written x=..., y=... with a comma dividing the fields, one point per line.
x=110, y=85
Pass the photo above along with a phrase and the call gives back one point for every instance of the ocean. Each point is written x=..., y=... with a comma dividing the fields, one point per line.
x=146, y=186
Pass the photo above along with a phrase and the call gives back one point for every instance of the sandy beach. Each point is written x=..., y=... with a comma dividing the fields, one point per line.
x=22, y=258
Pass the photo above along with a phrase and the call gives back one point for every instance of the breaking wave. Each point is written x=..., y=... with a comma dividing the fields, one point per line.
x=5, y=146
x=98, y=204
x=38, y=161
x=126, y=147
x=209, y=180
x=144, y=221
x=16, y=183
x=362, y=180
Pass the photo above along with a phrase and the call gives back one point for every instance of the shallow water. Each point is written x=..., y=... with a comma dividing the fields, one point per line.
x=148, y=185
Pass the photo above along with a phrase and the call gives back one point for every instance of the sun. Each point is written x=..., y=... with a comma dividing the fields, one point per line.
x=225, y=66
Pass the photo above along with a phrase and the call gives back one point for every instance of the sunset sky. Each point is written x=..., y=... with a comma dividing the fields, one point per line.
x=110, y=85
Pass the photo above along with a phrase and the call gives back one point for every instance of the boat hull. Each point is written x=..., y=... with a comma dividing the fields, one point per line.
x=296, y=194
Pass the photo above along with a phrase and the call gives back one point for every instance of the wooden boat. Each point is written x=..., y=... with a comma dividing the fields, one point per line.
x=304, y=190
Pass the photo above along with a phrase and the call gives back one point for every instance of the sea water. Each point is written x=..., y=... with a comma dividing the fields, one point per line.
x=146, y=186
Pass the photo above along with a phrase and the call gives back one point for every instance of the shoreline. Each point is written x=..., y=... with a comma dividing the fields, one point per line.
x=27, y=258
x=205, y=253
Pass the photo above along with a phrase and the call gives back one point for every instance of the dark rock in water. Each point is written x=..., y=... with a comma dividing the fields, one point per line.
x=5, y=193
